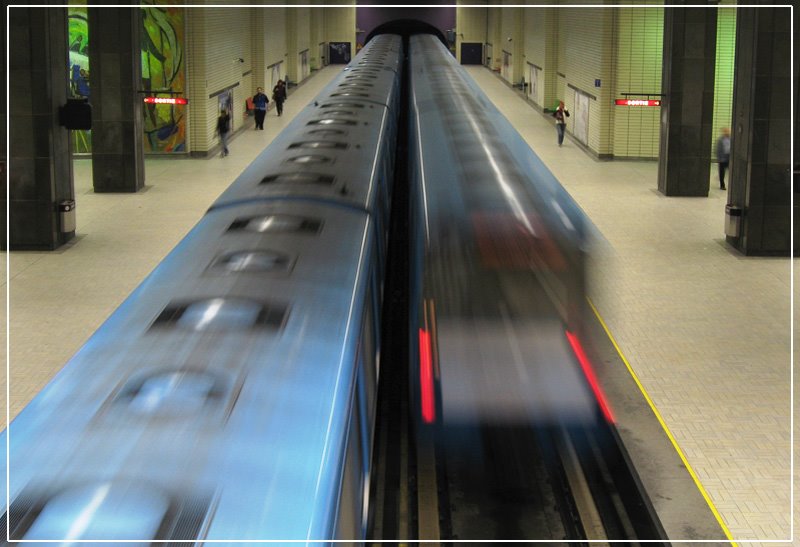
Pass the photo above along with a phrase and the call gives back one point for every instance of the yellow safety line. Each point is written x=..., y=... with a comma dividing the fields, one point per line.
x=664, y=426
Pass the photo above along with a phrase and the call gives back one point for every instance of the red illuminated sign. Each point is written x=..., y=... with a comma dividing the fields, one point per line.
x=166, y=100
x=638, y=102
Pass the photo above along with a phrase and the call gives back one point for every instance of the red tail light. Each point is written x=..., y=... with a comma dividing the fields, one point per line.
x=588, y=371
x=426, y=377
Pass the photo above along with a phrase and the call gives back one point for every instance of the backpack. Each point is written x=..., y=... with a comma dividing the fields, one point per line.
x=223, y=124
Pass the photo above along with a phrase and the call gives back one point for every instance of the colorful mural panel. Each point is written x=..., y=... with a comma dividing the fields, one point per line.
x=78, y=69
x=163, y=74
x=163, y=70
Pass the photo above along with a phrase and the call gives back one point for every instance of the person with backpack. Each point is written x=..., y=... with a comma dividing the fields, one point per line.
x=223, y=129
x=279, y=96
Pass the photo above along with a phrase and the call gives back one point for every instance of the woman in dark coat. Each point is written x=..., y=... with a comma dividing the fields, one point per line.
x=279, y=95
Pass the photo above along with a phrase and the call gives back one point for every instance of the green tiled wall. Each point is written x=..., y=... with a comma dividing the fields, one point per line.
x=723, y=76
x=639, y=33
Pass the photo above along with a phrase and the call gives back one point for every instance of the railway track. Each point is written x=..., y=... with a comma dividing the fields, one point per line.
x=489, y=482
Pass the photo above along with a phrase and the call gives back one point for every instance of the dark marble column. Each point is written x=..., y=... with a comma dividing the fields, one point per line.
x=117, y=109
x=796, y=175
x=761, y=135
x=40, y=166
x=687, y=82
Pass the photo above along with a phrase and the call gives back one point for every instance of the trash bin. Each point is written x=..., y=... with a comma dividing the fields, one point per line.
x=733, y=220
x=66, y=212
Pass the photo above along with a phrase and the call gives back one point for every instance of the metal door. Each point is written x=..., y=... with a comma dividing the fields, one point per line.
x=581, y=127
x=535, y=88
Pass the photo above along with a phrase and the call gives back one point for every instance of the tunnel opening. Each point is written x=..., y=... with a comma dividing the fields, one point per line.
x=407, y=27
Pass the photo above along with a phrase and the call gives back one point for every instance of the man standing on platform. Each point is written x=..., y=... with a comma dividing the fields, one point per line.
x=723, y=154
x=260, y=101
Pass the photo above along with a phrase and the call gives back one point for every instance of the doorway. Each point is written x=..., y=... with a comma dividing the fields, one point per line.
x=471, y=53
x=581, y=127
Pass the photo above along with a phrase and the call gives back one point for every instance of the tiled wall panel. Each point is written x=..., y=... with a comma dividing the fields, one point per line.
x=639, y=33
x=493, y=26
x=274, y=36
x=340, y=24
x=470, y=26
x=302, y=29
x=585, y=56
x=509, y=20
x=218, y=39
x=723, y=77
x=257, y=41
x=535, y=36
x=317, y=36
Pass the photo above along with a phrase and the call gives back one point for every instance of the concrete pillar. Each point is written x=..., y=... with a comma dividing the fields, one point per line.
x=40, y=165
x=4, y=120
x=760, y=180
x=687, y=82
x=550, y=69
x=117, y=108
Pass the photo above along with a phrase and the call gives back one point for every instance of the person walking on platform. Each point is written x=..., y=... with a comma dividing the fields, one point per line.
x=279, y=96
x=561, y=114
x=723, y=154
x=260, y=101
x=223, y=129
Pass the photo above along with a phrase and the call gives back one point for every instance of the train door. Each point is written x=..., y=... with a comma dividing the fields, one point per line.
x=302, y=67
x=275, y=74
x=505, y=71
x=535, y=89
x=581, y=128
x=323, y=59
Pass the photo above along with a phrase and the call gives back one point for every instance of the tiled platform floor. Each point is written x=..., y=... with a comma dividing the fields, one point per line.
x=706, y=330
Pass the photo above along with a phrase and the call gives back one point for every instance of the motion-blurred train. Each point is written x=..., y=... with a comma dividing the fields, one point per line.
x=513, y=434
x=500, y=262
x=232, y=395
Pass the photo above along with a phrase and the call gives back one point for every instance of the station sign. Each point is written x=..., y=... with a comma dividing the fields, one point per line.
x=166, y=100
x=638, y=102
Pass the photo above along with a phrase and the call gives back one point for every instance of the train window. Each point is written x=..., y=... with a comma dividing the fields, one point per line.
x=327, y=132
x=343, y=105
x=298, y=178
x=360, y=77
x=310, y=158
x=334, y=121
x=104, y=511
x=276, y=223
x=355, y=84
x=322, y=144
x=349, y=94
x=340, y=113
x=117, y=510
x=253, y=261
x=221, y=314
x=173, y=392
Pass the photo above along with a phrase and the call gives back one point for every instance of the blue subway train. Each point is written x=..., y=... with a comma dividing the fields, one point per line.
x=232, y=395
